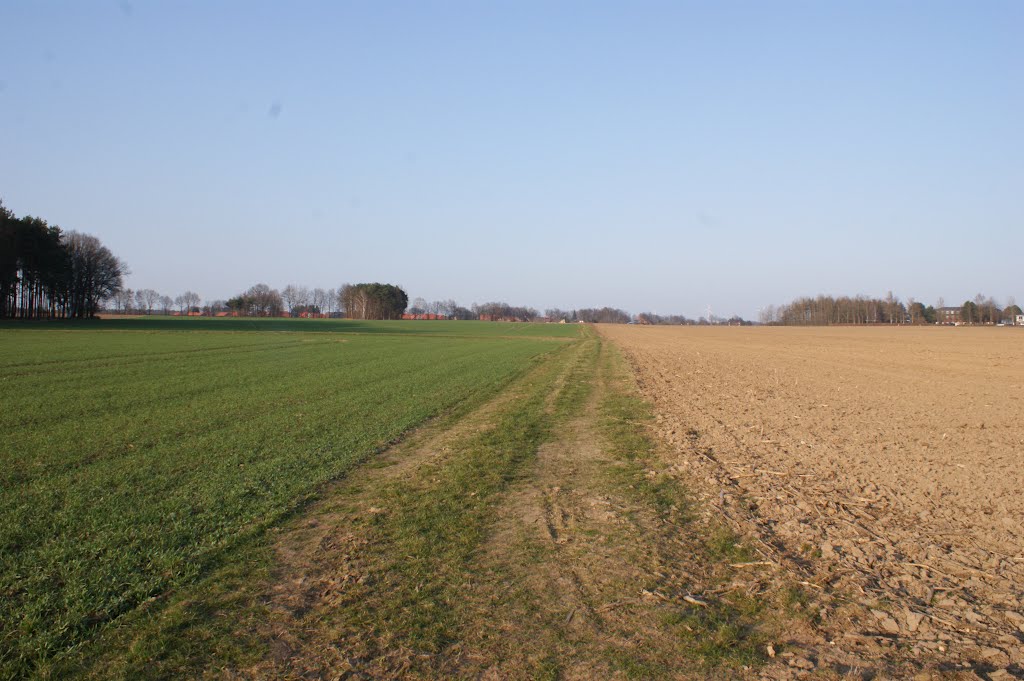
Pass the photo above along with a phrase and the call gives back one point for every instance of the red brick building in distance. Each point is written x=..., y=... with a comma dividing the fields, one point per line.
x=425, y=315
x=947, y=315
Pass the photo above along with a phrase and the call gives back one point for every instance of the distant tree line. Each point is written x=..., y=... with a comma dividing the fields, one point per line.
x=300, y=300
x=590, y=315
x=657, y=319
x=503, y=312
x=825, y=310
x=680, y=320
x=444, y=308
x=147, y=301
x=356, y=301
x=48, y=273
x=604, y=315
x=258, y=301
x=985, y=310
x=828, y=310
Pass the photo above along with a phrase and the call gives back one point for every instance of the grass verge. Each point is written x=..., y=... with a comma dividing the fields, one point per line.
x=728, y=629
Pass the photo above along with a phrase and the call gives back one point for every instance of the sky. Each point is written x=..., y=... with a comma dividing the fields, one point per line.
x=653, y=156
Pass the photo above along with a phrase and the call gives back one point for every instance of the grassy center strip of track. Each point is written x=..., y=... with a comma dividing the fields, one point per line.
x=438, y=522
x=721, y=626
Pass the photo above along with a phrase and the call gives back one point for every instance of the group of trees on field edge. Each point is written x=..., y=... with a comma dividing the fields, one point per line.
x=591, y=315
x=448, y=309
x=148, y=301
x=828, y=310
x=46, y=272
x=355, y=301
x=680, y=320
x=984, y=310
x=373, y=301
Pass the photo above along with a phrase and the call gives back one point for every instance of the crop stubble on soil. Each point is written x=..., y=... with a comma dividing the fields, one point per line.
x=882, y=466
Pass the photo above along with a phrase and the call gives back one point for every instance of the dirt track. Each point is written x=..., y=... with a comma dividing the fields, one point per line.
x=585, y=572
x=881, y=466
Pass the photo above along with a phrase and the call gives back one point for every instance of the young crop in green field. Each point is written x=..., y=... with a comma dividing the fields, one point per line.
x=135, y=460
x=473, y=329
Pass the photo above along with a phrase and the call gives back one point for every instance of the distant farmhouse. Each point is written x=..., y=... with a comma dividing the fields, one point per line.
x=423, y=315
x=953, y=316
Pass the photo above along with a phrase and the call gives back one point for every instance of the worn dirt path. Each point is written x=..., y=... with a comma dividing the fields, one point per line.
x=584, y=559
x=883, y=466
x=580, y=575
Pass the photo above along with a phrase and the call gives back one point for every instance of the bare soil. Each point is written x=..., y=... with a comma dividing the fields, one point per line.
x=881, y=467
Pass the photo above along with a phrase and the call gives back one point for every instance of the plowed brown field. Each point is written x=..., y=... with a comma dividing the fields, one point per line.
x=882, y=467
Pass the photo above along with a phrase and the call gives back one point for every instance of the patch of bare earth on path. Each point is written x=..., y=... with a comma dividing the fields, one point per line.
x=879, y=467
x=552, y=575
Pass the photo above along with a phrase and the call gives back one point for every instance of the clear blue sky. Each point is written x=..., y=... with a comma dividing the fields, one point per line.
x=645, y=155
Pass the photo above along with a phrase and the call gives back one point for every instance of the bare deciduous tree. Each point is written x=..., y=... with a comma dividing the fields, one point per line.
x=146, y=299
x=290, y=296
x=296, y=298
x=319, y=299
x=123, y=300
x=332, y=302
x=419, y=306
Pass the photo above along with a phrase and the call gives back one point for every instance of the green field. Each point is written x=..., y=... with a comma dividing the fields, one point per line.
x=471, y=329
x=139, y=455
